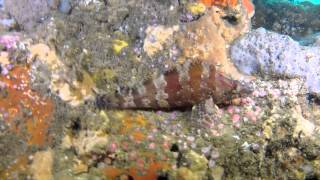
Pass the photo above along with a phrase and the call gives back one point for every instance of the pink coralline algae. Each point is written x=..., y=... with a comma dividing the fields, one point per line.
x=9, y=41
x=236, y=118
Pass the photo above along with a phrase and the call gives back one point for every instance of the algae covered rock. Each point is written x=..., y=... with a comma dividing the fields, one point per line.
x=90, y=142
x=41, y=167
x=27, y=12
x=196, y=162
x=196, y=167
x=297, y=19
x=50, y=85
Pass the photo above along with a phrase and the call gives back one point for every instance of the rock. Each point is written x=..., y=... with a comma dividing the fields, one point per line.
x=64, y=84
x=217, y=173
x=90, y=4
x=196, y=8
x=90, y=141
x=7, y=23
x=80, y=167
x=65, y=6
x=196, y=43
x=196, y=168
x=241, y=141
x=28, y=13
x=304, y=127
x=118, y=45
x=269, y=53
x=156, y=37
x=316, y=164
x=295, y=20
x=311, y=40
x=186, y=174
x=41, y=167
x=197, y=164
x=66, y=142
x=179, y=49
x=53, y=3
x=4, y=58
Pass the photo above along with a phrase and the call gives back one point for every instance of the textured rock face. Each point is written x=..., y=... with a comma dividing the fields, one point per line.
x=27, y=12
x=231, y=3
x=269, y=53
x=102, y=41
x=311, y=40
x=286, y=18
x=209, y=38
x=200, y=69
x=205, y=38
x=41, y=167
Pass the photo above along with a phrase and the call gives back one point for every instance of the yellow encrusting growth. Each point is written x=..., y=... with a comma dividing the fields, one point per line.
x=118, y=45
x=196, y=8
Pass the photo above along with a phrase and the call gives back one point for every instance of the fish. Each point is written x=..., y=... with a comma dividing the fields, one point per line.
x=181, y=87
x=205, y=72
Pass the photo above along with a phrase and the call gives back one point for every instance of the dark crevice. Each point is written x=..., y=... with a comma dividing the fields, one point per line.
x=231, y=19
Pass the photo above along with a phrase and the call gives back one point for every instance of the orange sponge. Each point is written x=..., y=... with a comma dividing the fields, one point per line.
x=231, y=3
x=249, y=6
x=223, y=3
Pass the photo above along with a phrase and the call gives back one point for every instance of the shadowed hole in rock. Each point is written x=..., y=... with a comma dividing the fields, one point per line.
x=124, y=177
x=312, y=177
x=163, y=176
x=76, y=126
x=231, y=19
x=313, y=98
x=174, y=148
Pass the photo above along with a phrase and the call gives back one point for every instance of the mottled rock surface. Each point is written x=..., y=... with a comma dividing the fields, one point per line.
x=51, y=126
x=28, y=13
x=297, y=21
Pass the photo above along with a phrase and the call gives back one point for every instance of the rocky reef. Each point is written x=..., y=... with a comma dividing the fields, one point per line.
x=58, y=62
x=296, y=20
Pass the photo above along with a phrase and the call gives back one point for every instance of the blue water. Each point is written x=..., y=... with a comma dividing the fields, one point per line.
x=296, y=2
x=300, y=1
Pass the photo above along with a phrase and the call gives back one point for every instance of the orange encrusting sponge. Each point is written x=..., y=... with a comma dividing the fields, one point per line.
x=223, y=3
x=25, y=109
x=229, y=3
x=249, y=6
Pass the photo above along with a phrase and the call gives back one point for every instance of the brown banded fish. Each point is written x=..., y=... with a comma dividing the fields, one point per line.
x=204, y=69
